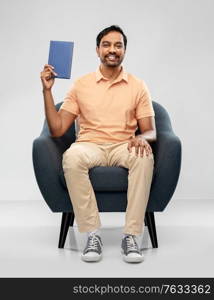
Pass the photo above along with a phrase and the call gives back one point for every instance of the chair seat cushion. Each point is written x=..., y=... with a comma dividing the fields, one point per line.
x=106, y=179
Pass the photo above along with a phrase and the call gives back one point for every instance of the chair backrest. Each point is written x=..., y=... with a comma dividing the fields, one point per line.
x=162, y=119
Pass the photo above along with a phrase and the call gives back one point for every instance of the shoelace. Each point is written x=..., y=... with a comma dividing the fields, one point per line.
x=93, y=242
x=131, y=243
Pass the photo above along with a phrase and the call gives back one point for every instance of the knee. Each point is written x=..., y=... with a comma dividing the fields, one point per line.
x=142, y=160
x=149, y=158
x=73, y=158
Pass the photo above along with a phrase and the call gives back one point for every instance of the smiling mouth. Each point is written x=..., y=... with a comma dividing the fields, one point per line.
x=112, y=57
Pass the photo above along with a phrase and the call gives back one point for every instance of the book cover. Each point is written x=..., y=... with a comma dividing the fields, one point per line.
x=60, y=57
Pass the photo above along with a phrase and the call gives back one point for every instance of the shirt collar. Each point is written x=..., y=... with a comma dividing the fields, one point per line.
x=123, y=75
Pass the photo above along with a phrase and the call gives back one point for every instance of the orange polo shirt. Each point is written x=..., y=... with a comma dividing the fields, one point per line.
x=108, y=112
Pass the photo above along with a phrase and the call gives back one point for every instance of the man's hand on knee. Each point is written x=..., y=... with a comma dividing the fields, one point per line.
x=140, y=144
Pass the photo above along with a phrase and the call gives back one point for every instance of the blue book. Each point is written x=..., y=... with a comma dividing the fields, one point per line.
x=60, y=57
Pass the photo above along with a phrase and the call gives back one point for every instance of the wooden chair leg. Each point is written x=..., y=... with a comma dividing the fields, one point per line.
x=150, y=222
x=67, y=219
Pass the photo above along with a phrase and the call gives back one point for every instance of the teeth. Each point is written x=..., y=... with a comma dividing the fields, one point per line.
x=111, y=57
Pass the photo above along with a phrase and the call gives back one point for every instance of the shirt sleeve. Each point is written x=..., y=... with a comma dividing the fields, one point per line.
x=144, y=104
x=70, y=102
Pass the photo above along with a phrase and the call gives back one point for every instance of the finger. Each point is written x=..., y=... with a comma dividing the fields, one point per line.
x=129, y=146
x=141, y=150
x=145, y=147
x=148, y=150
x=54, y=73
x=50, y=73
x=140, y=147
x=50, y=70
x=43, y=75
x=47, y=74
x=48, y=66
x=136, y=149
x=149, y=147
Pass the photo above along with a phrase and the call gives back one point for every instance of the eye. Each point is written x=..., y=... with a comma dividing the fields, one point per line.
x=105, y=45
x=119, y=46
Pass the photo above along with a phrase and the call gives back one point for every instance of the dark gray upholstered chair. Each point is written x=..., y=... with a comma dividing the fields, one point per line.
x=109, y=183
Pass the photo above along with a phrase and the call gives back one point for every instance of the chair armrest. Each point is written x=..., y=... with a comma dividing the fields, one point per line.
x=167, y=156
x=47, y=162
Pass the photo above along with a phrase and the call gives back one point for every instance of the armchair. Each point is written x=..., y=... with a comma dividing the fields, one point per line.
x=109, y=183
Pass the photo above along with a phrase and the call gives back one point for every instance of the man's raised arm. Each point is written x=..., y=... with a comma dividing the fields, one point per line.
x=58, y=121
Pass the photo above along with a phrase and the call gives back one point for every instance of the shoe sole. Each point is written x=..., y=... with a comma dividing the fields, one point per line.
x=132, y=259
x=91, y=259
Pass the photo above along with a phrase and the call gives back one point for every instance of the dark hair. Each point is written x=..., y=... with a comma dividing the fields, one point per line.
x=109, y=29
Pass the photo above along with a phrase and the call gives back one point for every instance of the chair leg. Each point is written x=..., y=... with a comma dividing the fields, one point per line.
x=150, y=221
x=72, y=220
x=66, y=221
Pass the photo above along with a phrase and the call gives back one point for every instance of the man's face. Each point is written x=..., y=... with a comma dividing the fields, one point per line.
x=111, y=50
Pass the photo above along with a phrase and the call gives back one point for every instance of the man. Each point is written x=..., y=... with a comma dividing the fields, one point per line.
x=109, y=103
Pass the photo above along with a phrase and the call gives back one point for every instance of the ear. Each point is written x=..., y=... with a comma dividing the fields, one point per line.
x=97, y=50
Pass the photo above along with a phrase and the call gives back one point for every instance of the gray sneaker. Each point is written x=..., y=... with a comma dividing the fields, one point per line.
x=93, y=249
x=130, y=250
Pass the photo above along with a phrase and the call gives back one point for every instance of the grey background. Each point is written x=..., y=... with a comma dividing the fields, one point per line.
x=170, y=46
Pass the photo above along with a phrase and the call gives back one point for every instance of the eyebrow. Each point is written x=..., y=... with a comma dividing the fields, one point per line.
x=110, y=42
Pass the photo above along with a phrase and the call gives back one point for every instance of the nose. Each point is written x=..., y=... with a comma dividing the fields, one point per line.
x=112, y=49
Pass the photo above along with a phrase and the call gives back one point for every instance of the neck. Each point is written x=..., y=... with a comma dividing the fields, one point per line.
x=110, y=73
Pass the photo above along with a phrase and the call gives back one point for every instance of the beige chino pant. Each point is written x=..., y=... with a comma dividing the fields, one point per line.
x=82, y=156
